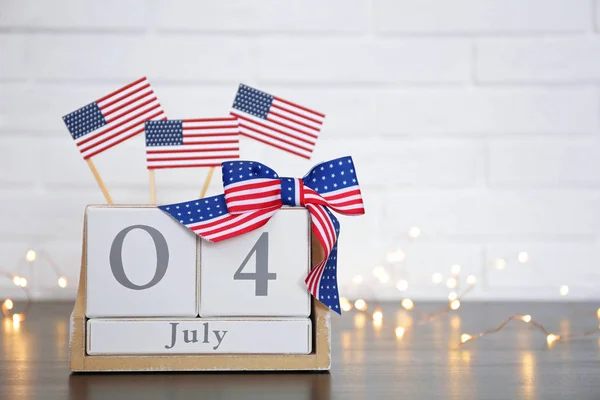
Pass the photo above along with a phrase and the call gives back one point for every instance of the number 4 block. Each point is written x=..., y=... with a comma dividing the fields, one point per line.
x=260, y=273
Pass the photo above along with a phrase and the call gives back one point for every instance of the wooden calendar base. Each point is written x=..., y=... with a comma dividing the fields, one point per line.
x=79, y=361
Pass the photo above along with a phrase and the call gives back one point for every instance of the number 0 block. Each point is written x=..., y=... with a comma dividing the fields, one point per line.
x=139, y=263
x=260, y=273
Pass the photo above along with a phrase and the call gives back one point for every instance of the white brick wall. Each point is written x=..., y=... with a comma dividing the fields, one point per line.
x=477, y=121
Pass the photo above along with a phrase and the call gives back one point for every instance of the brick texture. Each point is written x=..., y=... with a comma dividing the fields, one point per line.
x=476, y=121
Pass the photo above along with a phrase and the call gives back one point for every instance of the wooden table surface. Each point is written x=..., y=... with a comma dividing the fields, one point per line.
x=369, y=361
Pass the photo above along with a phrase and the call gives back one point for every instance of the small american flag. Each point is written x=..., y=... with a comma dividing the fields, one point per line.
x=113, y=118
x=277, y=122
x=184, y=143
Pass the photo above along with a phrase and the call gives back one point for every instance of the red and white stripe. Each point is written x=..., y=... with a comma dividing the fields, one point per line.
x=345, y=201
x=207, y=142
x=299, y=191
x=324, y=231
x=125, y=112
x=252, y=195
x=232, y=225
x=288, y=126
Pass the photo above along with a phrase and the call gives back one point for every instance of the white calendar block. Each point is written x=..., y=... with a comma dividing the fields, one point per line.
x=199, y=336
x=139, y=263
x=260, y=273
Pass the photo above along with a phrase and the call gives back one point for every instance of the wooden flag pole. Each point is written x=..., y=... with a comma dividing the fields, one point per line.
x=207, y=182
x=99, y=180
x=152, y=187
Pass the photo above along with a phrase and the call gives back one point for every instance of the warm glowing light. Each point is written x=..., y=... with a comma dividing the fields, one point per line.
x=345, y=304
x=378, y=271
x=384, y=278
x=564, y=290
x=19, y=281
x=551, y=338
x=455, y=269
x=452, y=296
x=523, y=257
x=455, y=304
x=360, y=320
x=451, y=283
x=360, y=305
x=598, y=312
x=414, y=232
x=408, y=304
x=396, y=256
x=471, y=279
x=402, y=285
x=377, y=323
x=500, y=263
x=357, y=279
x=31, y=255
x=17, y=318
x=8, y=304
x=455, y=322
x=62, y=282
x=399, y=331
x=377, y=316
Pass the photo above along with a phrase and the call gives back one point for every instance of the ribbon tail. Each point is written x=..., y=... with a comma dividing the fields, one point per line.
x=322, y=280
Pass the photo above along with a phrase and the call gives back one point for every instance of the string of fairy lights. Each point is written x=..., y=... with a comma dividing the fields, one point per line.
x=9, y=306
x=455, y=297
x=452, y=282
x=551, y=338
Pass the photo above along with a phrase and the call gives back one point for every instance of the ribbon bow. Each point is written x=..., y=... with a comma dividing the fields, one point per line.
x=254, y=193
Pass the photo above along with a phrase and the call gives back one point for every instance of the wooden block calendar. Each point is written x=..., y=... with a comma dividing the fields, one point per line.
x=155, y=297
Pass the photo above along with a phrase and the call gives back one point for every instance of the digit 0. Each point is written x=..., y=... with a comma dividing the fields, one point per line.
x=116, y=257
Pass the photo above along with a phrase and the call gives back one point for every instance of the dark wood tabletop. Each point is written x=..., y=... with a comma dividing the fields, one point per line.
x=369, y=360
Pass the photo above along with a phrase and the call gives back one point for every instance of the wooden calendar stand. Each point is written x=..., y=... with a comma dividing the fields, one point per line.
x=79, y=361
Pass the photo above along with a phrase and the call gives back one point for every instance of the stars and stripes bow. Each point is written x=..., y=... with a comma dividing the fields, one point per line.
x=254, y=193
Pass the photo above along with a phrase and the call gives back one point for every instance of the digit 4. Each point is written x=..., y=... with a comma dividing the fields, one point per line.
x=262, y=276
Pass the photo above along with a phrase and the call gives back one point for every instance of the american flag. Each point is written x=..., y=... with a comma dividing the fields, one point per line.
x=113, y=118
x=277, y=122
x=202, y=142
x=254, y=193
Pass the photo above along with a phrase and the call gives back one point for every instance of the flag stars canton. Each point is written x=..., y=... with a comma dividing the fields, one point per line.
x=253, y=101
x=85, y=120
x=335, y=175
x=238, y=171
x=164, y=133
x=192, y=212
